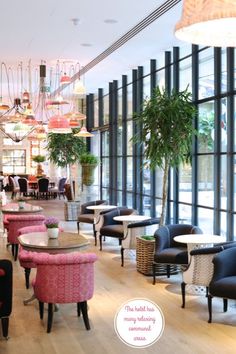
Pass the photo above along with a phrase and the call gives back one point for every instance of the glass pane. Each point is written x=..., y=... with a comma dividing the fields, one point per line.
x=185, y=214
x=206, y=127
x=159, y=180
x=223, y=183
x=205, y=180
x=223, y=125
x=105, y=143
x=146, y=87
x=119, y=172
x=206, y=73
x=129, y=200
x=223, y=71
x=185, y=183
x=96, y=113
x=129, y=136
x=129, y=184
x=106, y=110
x=105, y=172
x=146, y=206
x=185, y=74
x=223, y=221
x=105, y=194
x=119, y=138
x=205, y=220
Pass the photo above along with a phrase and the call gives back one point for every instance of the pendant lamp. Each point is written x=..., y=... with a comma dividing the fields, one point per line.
x=208, y=22
x=83, y=133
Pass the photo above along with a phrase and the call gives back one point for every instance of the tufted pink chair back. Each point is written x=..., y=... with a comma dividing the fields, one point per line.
x=64, y=278
x=16, y=222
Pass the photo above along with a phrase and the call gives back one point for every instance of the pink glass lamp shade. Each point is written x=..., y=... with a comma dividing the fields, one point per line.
x=83, y=133
x=65, y=79
x=25, y=97
x=29, y=120
x=59, y=124
x=75, y=115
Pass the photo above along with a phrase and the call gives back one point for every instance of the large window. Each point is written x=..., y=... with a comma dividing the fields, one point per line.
x=14, y=161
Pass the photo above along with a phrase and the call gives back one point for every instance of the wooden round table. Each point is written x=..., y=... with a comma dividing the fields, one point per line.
x=13, y=208
x=66, y=242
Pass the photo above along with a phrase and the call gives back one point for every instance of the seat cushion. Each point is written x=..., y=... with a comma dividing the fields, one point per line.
x=112, y=231
x=172, y=255
x=87, y=218
x=224, y=287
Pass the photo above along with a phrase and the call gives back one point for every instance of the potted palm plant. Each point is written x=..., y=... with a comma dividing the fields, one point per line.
x=88, y=162
x=166, y=132
x=64, y=150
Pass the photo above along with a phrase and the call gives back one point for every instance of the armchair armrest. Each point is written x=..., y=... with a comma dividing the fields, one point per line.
x=144, y=223
x=207, y=250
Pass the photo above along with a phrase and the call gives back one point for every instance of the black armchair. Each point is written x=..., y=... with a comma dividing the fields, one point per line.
x=167, y=250
x=5, y=294
x=87, y=216
x=111, y=227
x=223, y=283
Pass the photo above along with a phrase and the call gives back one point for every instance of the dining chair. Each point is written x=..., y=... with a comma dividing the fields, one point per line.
x=64, y=278
x=43, y=190
x=5, y=294
x=24, y=187
x=13, y=187
x=15, y=222
x=60, y=189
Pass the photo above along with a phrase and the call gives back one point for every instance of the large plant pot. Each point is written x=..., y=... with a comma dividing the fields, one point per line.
x=39, y=171
x=88, y=174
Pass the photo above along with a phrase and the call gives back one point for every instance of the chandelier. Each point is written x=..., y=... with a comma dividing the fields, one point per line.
x=30, y=109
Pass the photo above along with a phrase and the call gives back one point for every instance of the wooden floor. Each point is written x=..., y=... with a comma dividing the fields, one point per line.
x=186, y=330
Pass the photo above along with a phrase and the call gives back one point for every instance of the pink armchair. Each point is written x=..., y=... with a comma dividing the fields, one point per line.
x=64, y=278
x=25, y=257
x=15, y=222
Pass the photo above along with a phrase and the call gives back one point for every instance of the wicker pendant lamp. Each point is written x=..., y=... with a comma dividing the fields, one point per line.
x=208, y=22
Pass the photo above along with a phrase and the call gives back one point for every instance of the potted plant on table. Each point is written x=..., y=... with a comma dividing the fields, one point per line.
x=88, y=162
x=166, y=131
x=21, y=202
x=52, y=225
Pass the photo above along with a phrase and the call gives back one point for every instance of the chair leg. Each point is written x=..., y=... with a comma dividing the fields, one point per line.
x=225, y=306
x=154, y=273
x=13, y=249
x=207, y=291
x=41, y=309
x=100, y=241
x=16, y=252
x=95, y=234
x=84, y=309
x=122, y=256
x=50, y=317
x=27, y=277
x=183, y=294
x=78, y=309
x=168, y=270
x=78, y=226
x=210, y=308
x=5, y=325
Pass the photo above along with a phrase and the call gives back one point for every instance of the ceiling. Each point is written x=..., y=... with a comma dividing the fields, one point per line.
x=45, y=30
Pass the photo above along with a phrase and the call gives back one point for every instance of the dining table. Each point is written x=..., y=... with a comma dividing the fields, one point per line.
x=64, y=243
x=14, y=208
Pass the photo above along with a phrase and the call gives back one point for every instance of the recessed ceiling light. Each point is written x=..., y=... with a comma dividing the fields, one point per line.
x=110, y=20
x=86, y=44
x=75, y=21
